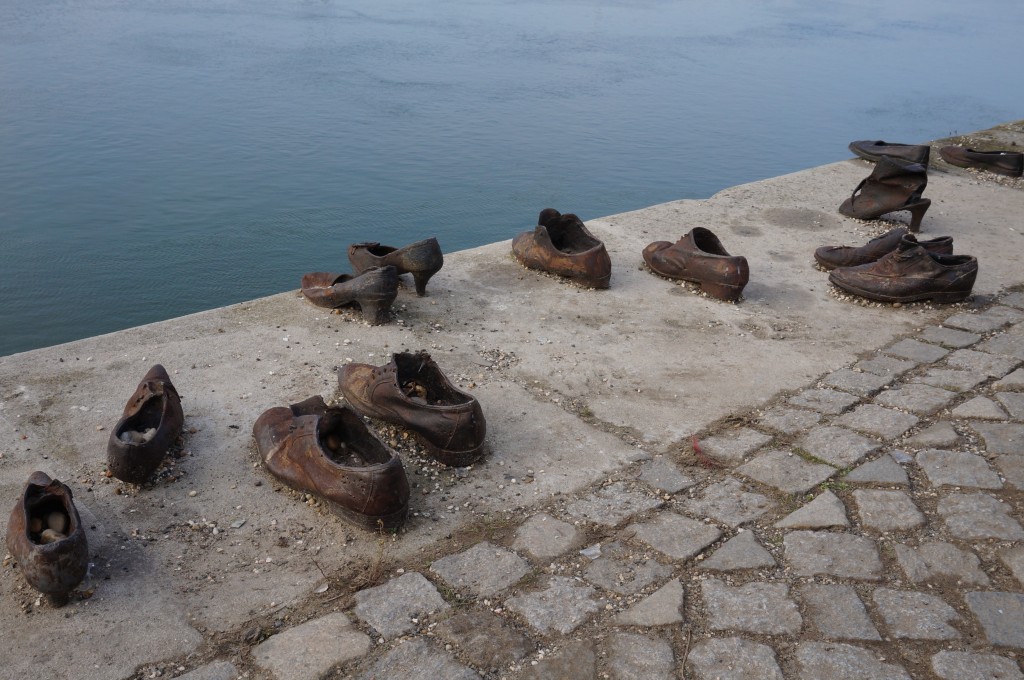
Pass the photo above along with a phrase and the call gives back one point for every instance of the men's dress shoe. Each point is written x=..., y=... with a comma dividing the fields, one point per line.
x=1008, y=163
x=893, y=185
x=329, y=452
x=46, y=537
x=561, y=245
x=909, y=274
x=830, y=257
x=422, y=259
x=374, y=291
x=873, y=150
x=151, y=422
x=700, y=257
x=412, y=391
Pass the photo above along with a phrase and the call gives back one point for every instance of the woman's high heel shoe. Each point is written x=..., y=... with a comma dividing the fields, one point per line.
x=893, y=185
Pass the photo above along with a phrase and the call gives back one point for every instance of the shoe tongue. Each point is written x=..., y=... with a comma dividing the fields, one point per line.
x=907, y=247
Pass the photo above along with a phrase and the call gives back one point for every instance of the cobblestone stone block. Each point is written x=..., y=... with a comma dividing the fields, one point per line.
x=676, y=536
x=1001, y=616
x=837, y=613
x=482, y=570
x=825, y=400
x=939, y=435
x=638, y=657
x=950, y=337
x=733, y=659
x=882, y=470
x=875, y=420
x=612, y=504
x=740, y=552
x=860, y=383
x=786, y=471
x=561, y=607
x=309, y=650
x=976, y=516
x=390, y=608
x=663, y=475
x=1010, y=343
x=1012, y=468
x=1001, y=437
x=937, y=561
x=957, y=468
x=732, y=447
x=887, y=366
x=924, y=400
x=729, y=502
x=838, y=661
x=789, y=420
x=1013, y=558
x=624, y=570
x=836, y=445
x=817, y=552
x=417, y=659
x=1013, y=300
x=484, y=638
x=1013, y=402
x=979, y=407
x=577, y=660
x=950, y=665
x=763, y=608
x=915, y=350
x=950, y=379
x=991, y=319
x=218, y=670
x=543, y=537
x=823, y=512
x=982, y=363
x=916, y=616
x=887, y=510
x=1012, y=382
x=661, y=608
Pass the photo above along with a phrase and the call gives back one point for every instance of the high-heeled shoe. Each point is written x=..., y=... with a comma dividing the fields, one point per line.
x=422, y=259
x=374, y=291
x=893, y=185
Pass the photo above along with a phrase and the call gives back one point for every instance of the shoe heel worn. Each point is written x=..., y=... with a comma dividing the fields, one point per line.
x=421, y=278
x=722, y=291
x=917, y=211
x=376, y=312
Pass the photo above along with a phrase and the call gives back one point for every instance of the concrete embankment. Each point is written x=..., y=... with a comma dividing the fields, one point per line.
x=575, y=384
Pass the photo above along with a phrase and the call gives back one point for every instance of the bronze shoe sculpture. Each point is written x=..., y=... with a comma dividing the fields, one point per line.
x=561, y=245
x=873, y=150
x=45, y=536
x=1007, y=163
x=151, y=422
x=830, y=257
x=422, y=259
x=329, y=452
x=910, y=274
x=374, y=291
x=412, y=391
x=699, y=257
x=893, y=185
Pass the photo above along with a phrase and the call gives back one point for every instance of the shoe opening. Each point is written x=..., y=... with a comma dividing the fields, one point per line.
x=422, y=381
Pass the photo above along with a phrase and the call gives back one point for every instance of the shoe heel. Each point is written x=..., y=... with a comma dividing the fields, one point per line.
x=420, y=279
x=917, y=212
x=721, y=291
x=376, y=312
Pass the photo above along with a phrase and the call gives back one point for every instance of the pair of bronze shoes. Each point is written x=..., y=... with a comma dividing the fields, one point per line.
x=330, y=452
x=374, y=286
x=897, y=267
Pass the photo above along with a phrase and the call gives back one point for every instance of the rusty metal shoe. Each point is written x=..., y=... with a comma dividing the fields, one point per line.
x=562, y=245
x=422, y=259
x=699, y=257
x=830, y=257
x=374, y=291
x=910, y=274
x=1007, y=163
x=411, y=391
x=329, y=452
x=892, y=186
x=874, y=150
x=151, y=422
x=45, y=536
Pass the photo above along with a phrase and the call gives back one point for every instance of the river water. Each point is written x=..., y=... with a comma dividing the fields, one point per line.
x=160, y=158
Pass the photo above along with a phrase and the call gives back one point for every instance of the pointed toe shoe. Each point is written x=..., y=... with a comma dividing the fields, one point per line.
x=151, y=422
x=373, y=290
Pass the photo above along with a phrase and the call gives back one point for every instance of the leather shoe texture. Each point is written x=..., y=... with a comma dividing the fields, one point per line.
x=562, y=245
x=151, y=422
x=830, y=257
x=422, y=259
x=374, y=291
x=1007, y=163
x=910, y=274
x=700, y=257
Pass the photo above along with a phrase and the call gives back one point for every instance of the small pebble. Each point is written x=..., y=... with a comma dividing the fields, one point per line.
x=193, y=493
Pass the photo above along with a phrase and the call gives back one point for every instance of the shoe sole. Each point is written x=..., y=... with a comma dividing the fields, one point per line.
x=369, y=522
x=945, y=298
x=719, y=291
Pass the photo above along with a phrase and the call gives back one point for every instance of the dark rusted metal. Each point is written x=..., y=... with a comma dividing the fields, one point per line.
x=151, y=422
x=562, y=245
x=701, y=258
x=412, y=391
x=1009, y=163
x=830, y=257
x=874, y=150
x=893, y=185
x=329, y=452
x=422, y=259
x=374, y=291
x=909, y=274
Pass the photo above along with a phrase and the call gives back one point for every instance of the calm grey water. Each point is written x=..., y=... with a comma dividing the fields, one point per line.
x=159, y=158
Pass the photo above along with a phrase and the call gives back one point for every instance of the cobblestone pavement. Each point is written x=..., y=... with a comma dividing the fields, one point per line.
x=868, y=526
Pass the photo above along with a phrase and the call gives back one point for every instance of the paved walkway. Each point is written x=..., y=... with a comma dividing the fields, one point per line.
x=868, y=526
